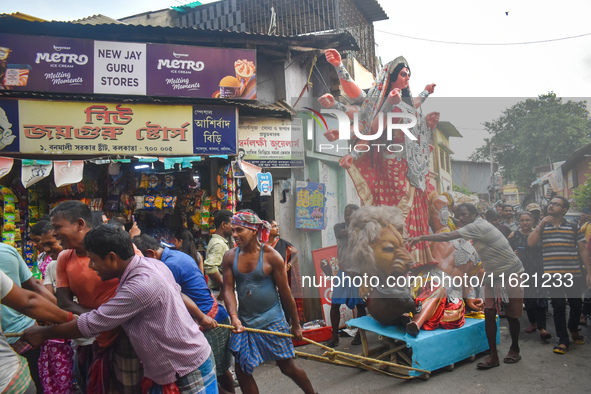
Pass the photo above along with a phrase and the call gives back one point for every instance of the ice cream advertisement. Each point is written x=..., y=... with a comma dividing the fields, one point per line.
x=188, y=71
x=46, y=64
x=55, y=64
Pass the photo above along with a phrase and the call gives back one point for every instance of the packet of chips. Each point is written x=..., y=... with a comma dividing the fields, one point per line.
x=158, y=202
x=169, y=202
x=149, y=202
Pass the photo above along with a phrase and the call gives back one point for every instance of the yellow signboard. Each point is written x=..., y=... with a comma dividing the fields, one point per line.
x=75, y=128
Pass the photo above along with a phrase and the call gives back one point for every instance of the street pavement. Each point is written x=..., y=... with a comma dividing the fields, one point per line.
x=539, y=371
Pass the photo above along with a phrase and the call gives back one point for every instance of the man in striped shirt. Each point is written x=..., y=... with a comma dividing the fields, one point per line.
x=563, y=250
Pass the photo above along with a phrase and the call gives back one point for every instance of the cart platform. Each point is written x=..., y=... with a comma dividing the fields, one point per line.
x=429, y=350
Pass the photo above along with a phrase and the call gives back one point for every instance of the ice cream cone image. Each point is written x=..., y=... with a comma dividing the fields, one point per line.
x=244, y=71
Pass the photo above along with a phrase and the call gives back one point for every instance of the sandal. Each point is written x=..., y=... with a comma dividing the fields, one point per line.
x=484, y=365
x=560, y=349
x=578, y=339
x=530, y=329
x=544, y=336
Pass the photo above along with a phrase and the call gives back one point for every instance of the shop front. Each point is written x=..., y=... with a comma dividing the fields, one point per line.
x=165, y=167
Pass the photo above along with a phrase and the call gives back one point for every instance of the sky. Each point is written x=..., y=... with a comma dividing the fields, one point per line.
x=487, y=78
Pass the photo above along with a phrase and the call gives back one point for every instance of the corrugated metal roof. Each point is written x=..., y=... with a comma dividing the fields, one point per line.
x=371, y=9
x=247, y=108
x=23, y=16
x=98, y=19
x=575, y=157
x=172, y=35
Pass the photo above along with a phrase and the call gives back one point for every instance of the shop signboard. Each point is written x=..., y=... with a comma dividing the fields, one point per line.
x=215, y=130
x=310, y=206
x=271, y=143
x=94, y=128
x=58, y=64
x=119, y=67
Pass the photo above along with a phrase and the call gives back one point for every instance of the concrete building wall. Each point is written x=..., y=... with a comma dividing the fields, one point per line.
x=340, y=191
x=473, y=175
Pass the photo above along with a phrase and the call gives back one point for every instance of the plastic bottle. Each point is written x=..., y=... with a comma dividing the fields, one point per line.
x=37, y=272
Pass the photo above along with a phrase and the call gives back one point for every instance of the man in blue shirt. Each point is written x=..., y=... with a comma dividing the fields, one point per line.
x=187, y=274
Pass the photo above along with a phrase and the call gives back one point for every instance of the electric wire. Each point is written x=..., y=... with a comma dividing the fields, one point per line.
x=485, y=43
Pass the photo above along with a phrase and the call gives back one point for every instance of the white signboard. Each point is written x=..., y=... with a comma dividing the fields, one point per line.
x=119, y=68
x=271, y=143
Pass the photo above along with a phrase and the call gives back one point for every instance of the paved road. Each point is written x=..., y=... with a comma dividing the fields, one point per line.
x=539, y=371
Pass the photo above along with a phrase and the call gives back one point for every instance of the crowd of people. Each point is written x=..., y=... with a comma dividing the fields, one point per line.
x=118, y=311
x=121, y=312
x=129, y=314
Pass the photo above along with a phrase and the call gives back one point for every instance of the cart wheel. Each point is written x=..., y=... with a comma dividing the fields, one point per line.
x=450, y=367
x=424, y=376
x=472, y=358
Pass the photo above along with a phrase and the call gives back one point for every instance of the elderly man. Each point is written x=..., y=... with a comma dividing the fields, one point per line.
x=498, y=260
x=259, y=274
x=149, y=306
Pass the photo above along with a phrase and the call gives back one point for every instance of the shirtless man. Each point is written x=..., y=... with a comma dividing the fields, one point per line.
x=259, y=274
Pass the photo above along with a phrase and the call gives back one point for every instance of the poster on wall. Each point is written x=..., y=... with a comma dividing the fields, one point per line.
x=326, y=266
x=271, y=143
x=90, y=128
x=310, y=206
x=58, y=64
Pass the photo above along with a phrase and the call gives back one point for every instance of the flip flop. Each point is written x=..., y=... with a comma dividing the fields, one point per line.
x=560, y=349
x=529, y=330
x=578, y=339
x=511, y=360
x=486, y=366
x=544, y=336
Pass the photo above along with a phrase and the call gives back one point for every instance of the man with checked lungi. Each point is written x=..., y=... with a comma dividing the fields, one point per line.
x=259, y=274
x=150, y=307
